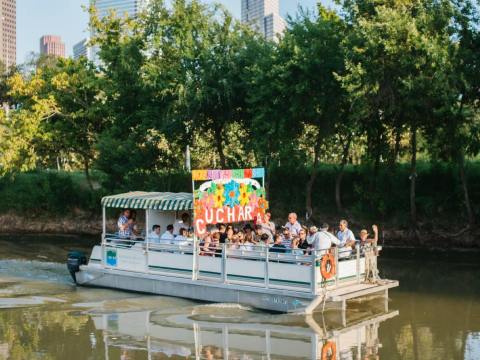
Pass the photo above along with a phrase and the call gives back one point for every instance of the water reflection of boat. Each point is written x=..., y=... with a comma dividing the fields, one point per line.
x=200, y=337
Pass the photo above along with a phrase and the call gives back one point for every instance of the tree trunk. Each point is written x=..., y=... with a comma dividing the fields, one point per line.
x=219, y=146
x=338, y=181
x=413, y=178
x=396, y=149
x=313, y=177
x=86, y=165
x=466, y=195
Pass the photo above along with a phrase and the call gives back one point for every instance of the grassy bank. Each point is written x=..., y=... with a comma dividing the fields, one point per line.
x=384, y=199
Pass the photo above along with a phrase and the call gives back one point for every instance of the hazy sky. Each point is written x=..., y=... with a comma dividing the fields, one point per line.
x=67, y=19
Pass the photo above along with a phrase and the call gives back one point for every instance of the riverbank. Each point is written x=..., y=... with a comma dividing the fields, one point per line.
x=390, y=236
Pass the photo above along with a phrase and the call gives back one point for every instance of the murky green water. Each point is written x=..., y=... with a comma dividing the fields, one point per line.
x=435, y=314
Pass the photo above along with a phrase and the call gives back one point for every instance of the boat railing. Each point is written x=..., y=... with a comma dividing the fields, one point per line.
x=310, y=260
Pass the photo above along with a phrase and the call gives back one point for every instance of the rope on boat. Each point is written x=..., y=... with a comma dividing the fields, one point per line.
x=371, y=267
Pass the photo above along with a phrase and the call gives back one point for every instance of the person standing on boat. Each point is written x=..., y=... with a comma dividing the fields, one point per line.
x=266, y=224
x=346, y=239
x=125, y=224
x=293, y=225
x=322, y=240
x=184, y=222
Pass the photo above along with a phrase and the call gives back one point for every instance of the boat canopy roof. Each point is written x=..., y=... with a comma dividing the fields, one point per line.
x=165, y=201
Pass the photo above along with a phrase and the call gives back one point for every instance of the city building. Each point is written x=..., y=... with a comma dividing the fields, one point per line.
x=52, y=45
x=264, y=17
x=120, y=7
x=8, y=32
x=82, y=49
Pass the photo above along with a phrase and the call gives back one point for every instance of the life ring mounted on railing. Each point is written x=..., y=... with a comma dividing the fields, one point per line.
x=329, y=351
x=328, y=268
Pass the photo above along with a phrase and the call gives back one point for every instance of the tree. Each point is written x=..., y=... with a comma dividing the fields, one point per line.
x=313, y=57
x=397, y=53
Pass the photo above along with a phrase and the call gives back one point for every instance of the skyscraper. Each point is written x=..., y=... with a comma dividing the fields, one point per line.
x=264, y=17
x=121, y=7
x=8, y=32
x=52, y=45
x=82, y=49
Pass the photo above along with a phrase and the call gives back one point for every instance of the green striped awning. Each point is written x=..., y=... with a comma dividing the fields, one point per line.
x=150, y=200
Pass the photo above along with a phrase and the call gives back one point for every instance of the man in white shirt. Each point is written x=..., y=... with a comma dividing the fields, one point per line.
x=293, y=225
x=184, y=222
x=167, y=237
x=321, y=240
x=154, y=236
x=346, y=239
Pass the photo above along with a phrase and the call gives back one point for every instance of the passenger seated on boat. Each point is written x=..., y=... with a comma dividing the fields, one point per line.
x=322, y=240
x=230, y=234
x=346, y=240
x=125, y=224
x=133, y=222
x=154, y=236
x=287, y=237
x=277, y=246
x=302, y=240
x=205, y=246
x=292, y=224
x=245, y=243
x=222, y=229
x=259, y=232
x=249, y=235
x=183, y=222
x=215, y=245
x=182, y=239
x=295, y=250
x=167, y=237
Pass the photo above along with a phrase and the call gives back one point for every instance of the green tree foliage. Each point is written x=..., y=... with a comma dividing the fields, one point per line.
x=375, y=84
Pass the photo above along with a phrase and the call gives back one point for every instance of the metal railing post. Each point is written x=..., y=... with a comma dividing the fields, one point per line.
x=224, y=263
x=357, y=247
x=104, y=234
x=313, y=277
x=267, y=275
x=196, y=252
x=337, y=250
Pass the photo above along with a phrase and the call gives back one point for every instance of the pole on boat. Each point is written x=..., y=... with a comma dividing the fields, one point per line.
x=104, y=233
x=267, y=260
x=224, y=263
x=358, y=262
x=314, y=274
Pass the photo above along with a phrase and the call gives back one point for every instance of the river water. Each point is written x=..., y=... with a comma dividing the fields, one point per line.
x=435, y=314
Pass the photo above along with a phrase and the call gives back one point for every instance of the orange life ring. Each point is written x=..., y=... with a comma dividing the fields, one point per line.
x=329, y=351
x=328, y=260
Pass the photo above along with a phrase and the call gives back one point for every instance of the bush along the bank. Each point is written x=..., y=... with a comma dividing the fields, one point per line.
x=47, y=193
x=384, y=198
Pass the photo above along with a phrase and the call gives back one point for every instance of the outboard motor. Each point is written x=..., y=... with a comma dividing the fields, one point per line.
x=74, y=260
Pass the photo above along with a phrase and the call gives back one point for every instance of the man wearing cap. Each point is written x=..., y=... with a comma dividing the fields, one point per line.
x=321, y=240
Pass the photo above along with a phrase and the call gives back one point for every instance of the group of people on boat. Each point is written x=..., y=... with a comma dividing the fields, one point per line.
x=293, y=238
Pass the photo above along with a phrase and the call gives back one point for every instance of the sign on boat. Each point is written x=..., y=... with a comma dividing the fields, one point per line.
x=254, y=276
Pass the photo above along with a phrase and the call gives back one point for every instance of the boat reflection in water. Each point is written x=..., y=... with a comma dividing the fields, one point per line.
x=203, y=336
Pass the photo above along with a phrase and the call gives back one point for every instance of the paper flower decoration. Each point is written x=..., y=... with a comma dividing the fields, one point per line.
x=244, y=197
x=219, y=199
x=262, y=205
x=253, y=200
x=209, y=201
x=232, y=193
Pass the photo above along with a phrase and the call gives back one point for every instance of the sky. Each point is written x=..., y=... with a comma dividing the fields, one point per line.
x=66, y=18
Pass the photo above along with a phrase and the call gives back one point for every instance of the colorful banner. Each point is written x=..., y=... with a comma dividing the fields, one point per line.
x=227, y=196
